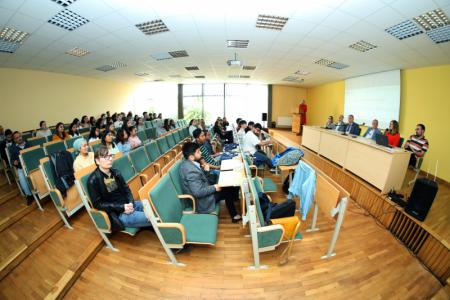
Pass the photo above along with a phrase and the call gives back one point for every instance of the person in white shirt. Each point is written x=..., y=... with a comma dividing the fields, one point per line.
x=242, y=126
x=372, y=132
x=252, y=143
x=119, y=122
x=192, y=126
x=43, y=130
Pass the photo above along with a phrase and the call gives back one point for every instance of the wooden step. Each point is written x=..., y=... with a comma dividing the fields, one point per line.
x=51, y=269
x=7, y=192
x=13, y=210
x=21, y=238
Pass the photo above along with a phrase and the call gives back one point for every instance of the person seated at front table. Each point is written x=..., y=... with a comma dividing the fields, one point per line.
x=84, y=158
x=107, y=140
x=392, y=134
x=330, y=124
x=251, y=141
x=60, y=134
x=242, y=126
x=372, y=131
x=417, y=144
x=122, y=141
x=195, y=182
x=199, y=137
x=340, y=125
x=110, y=193
x=352, y=127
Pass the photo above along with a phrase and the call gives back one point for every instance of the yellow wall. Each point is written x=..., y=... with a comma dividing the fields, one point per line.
x=28, y=97
x=285, y=100
x=425, y=98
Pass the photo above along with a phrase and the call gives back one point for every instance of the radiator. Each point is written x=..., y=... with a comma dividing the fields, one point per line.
x=284, y=122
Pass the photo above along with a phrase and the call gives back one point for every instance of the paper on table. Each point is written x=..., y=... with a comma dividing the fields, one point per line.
x=230, y=164
x=229, y=178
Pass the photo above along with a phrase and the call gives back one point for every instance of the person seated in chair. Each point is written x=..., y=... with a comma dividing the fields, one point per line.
x=352, y=127
x=252, y=142
x=195, y=182
x=372, y=131
x=340, y=125
x=84, y=158
x=392, y=134
x=110, y=193
x=330, y=124
x=199, y=137
x=43, y=130
x=18, y=145
x=60, y=134
x=417, y=144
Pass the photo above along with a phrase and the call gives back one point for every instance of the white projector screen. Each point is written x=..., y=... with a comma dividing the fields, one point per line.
x=373, y=96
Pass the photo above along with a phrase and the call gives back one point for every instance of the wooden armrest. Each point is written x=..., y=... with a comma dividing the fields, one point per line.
x=144, y=178
x=179, y=227
x=186, y=196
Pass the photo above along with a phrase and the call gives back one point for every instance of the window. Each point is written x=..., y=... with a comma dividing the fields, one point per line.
x=209, y=101
x=158, y=98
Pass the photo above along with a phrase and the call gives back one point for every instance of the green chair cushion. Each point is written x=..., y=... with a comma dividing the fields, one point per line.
x=171, y=235
x=139, y=159
x=152, y=150
x=166, y=201
x=269, y=185
x=123, y=164
x=200, y=228
x=56, y=147
x=130, y=230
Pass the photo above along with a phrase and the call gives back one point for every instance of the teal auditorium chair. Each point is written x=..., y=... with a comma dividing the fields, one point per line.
x=171, y=140
x=176, y=226
x=66, y=206
x=164, y=147
x=150, y=133
x=54, y=146
x=98, y=217
x=142, y=136
x=268, y=186
x=37, y=141
x=71, y=141
x=148, y=124
x=133, y=179
x=155, y=155
x=142, y=163
x=29, y=159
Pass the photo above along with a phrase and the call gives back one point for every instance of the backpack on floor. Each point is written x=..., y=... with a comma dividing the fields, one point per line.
x=288, y=157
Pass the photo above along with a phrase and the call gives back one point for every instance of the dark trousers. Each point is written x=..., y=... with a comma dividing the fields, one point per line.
x=261, y=158
x=412, y=158
x=230, y=194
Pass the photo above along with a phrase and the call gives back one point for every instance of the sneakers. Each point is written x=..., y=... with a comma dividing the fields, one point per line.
x=236, y=218
x=29, y=200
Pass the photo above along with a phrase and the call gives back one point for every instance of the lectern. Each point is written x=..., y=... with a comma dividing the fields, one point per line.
x=296, y=124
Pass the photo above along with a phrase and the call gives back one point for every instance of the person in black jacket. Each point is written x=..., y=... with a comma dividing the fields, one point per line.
x=18, y=145
x=109, y=192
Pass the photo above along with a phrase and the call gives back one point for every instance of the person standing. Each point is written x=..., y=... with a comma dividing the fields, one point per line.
x=302, y=109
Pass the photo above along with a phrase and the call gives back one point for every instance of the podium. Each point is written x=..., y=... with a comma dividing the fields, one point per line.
x=296, y=124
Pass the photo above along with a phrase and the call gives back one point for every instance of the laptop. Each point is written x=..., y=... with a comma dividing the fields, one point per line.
x=382, y=140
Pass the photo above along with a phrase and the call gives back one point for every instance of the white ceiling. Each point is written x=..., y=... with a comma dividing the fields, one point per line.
x=316, y=29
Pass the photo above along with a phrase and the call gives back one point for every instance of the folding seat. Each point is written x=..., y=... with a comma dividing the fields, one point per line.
x=95, y=144
x=133, y=179
x=37, y=141
x=84, y=130
x=148, y=124
x=154, y=154
x=142, y=136
x=66, y=206
x=99, y=217
x=142, y=163
x=150, y=133
x=27, y=135
x=267, y=183
x=54, y=146
x=30, y=160
x=164, y=147
x=71, y=141
x=177, y=227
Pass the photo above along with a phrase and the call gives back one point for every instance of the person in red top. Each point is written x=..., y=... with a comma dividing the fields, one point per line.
x=392, y=134
x=302, y=109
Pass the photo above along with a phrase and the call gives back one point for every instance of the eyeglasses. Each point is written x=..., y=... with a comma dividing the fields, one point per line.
x=107, y=156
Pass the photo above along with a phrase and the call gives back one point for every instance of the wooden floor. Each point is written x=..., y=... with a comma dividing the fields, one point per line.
x=370, y=264
x=438, y=218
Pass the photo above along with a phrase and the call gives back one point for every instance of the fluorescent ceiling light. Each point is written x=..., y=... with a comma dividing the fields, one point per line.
x=12, y=35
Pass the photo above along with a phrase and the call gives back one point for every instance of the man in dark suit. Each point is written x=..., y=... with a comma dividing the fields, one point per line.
x=352, y=127
x=195, y=182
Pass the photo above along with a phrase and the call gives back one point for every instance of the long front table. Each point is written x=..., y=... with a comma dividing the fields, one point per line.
x=383, y=167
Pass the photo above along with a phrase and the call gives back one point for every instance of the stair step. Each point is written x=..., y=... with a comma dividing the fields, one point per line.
x=50, y=270
x=21, y=238
x=13, y=210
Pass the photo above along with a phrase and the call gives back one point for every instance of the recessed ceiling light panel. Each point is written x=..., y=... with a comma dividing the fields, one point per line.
x=338, y=66
x=161, y=56
x=105, y=68
x=192, y=68
x=200, y=76
x=64, y=3
x=68, y=20
x=237, y=43
x=432, y=20
x=77, y=52
x=12, y=35
x=324, y=62
x=404, y=30
x=440, y=35
x=271, y=22
x=141, y=74
x=152, y=27
x=117, y=64
x=362, y=46
x=302, y=72
x=249, y=68
x=179, y=53
x=8, y=47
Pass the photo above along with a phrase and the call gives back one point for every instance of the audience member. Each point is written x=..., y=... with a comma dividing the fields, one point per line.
x=73, y=130
x=94, y=134
x=140, y=125
x=195, y=182
x=107, y=140
x=18, y=145
x=242, y=126
x=199, y=137
x=84, y=158
x=110, y=193
x=372, y=132
x=60, y=134
x=92, y=121
x=6, y=143
x=193, y=124
x=417, y=144
x=133, y=139
x=330, y=123
x=43, y=130
x=122, y=141
x=251, y=141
